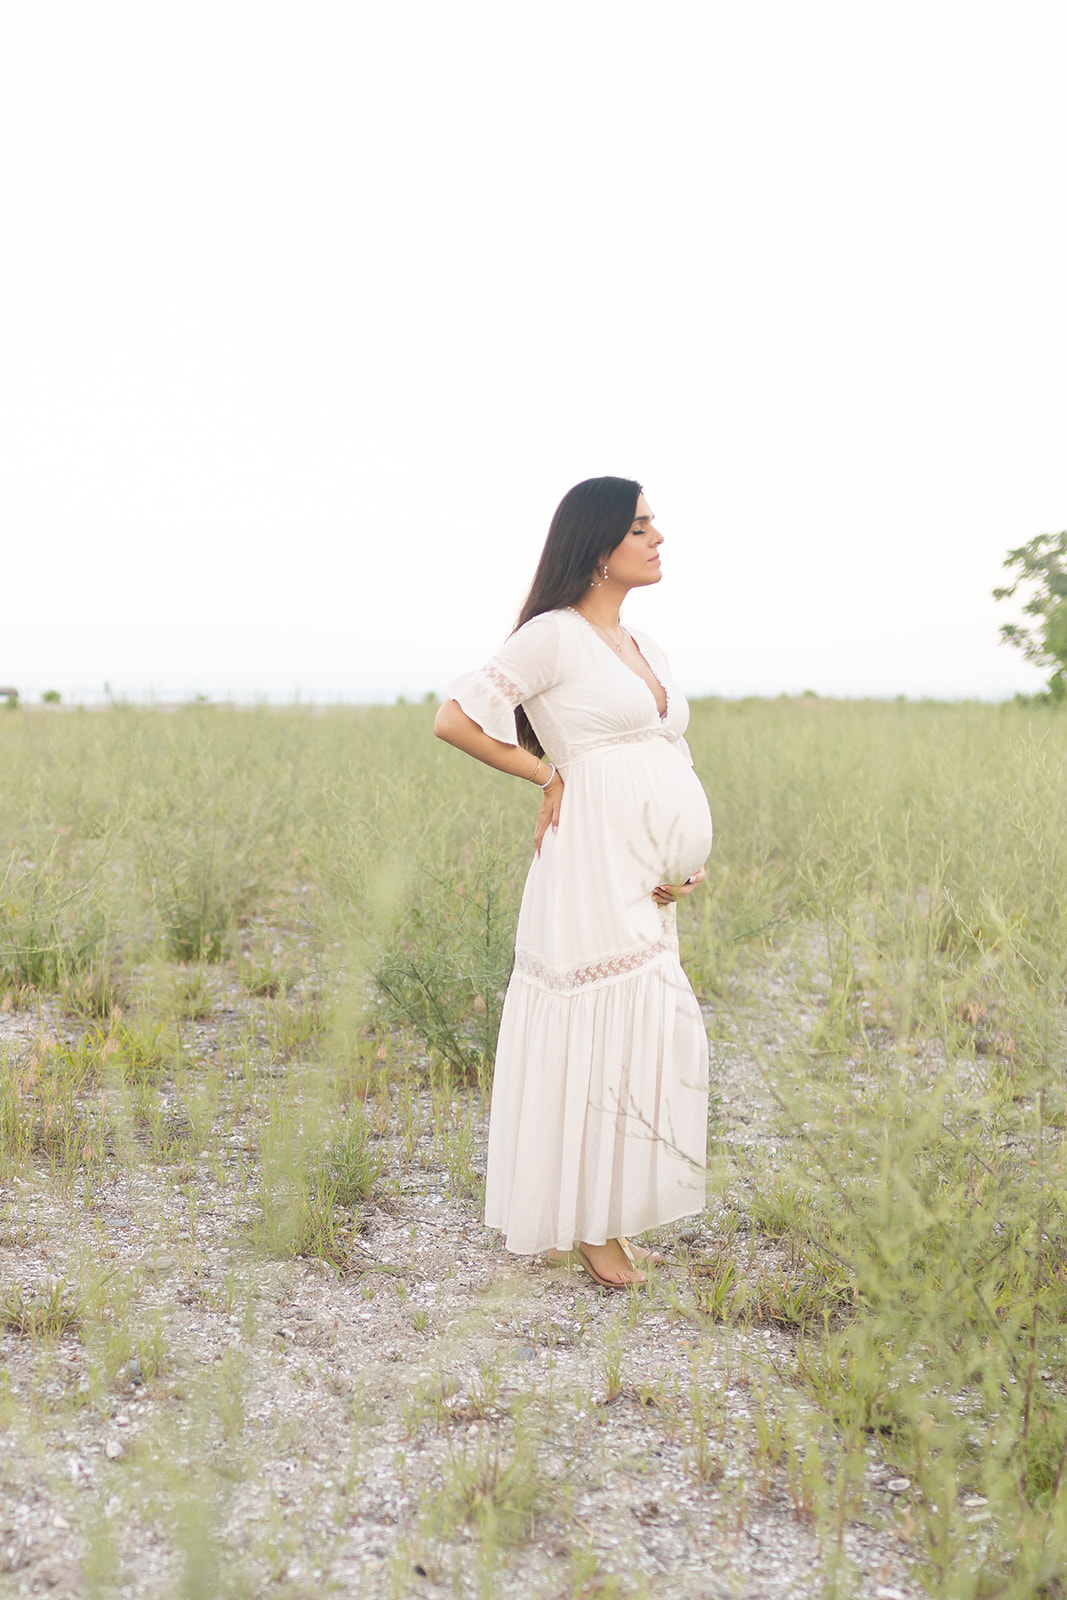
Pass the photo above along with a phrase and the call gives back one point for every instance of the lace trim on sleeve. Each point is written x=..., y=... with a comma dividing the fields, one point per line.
x=503, y=684
x=570, y=979
x=479, y=695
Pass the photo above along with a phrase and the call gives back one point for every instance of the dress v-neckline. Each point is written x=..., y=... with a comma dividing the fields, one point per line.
x=662, y=715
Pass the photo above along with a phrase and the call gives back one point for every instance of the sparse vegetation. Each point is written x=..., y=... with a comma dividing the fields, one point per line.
x=44, y=1314
x=251, y=966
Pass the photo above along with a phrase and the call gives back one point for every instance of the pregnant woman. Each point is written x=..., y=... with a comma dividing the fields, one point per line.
x=598, y=1126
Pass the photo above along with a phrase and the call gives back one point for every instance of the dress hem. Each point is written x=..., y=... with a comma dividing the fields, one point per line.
x=628, y=1230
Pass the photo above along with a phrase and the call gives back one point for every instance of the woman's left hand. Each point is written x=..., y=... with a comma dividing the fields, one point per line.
x=667, y=893
x=548, y=815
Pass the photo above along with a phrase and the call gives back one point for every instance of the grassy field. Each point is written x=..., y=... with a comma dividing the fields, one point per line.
x=254, y=1339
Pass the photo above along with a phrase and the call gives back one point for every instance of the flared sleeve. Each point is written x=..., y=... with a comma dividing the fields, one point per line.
x=524, y=667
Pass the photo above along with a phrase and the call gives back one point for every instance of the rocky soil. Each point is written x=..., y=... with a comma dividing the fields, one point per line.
x=438, y=1419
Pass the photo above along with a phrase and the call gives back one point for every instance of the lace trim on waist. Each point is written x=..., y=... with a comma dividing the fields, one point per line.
x=568, y=980
x=615, y=741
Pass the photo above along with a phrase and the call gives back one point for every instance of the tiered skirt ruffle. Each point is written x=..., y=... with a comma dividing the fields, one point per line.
x=599, y=1117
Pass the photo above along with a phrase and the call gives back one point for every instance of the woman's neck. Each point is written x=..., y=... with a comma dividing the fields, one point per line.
x=603, y=604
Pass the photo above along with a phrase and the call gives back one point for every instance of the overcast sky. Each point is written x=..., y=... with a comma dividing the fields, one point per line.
x=313, y=310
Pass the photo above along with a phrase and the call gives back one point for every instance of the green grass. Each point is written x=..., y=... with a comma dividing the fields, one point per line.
x=45, y=1314
x=315, y=1188
x=287, y=935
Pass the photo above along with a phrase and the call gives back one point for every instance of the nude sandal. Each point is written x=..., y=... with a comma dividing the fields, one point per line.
x=637, y=1252
x=607, y=1283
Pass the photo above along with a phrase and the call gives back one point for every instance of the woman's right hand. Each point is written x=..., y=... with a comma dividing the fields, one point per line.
x=548, y=816
x=668, y=893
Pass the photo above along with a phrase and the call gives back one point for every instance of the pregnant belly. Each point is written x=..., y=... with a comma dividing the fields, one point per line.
x=631, y=818
x=641, y=811
x=676, y=827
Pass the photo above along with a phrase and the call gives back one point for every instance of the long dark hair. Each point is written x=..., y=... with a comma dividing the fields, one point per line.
x=589, y=522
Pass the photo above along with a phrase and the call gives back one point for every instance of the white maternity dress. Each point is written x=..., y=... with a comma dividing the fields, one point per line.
x=598, y=1127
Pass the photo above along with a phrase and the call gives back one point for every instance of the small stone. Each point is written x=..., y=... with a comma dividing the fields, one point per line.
x=159, y=1264
x=886, y=1591
x=526, y=1352
x=60, y=1521
x=134, y=1370
x=114, y=1450
x=971, y=1502
x=898, y=1485
x=49, y=1574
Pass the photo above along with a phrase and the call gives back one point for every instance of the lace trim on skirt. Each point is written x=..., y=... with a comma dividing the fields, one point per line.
x=569, y=980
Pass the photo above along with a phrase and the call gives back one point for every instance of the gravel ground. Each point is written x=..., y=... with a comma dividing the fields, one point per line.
x=236, y=1425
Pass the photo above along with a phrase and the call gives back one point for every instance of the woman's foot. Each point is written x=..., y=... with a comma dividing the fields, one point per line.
x=608, y=1265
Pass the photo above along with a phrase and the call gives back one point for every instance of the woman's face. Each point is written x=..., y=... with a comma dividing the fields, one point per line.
x=635, y=562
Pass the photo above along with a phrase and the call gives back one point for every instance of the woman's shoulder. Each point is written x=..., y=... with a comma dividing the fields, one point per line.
x=550, y=619
x=530, y=655
x=545, y=626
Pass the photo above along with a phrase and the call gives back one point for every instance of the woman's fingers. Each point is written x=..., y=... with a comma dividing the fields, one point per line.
x=548, y=816
x=667, y=893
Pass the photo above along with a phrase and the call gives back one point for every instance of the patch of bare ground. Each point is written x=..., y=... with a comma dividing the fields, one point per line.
x=428, y=1417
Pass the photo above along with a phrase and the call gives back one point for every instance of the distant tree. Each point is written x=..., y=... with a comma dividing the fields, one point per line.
x=1042, y=564
x=51, y=697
